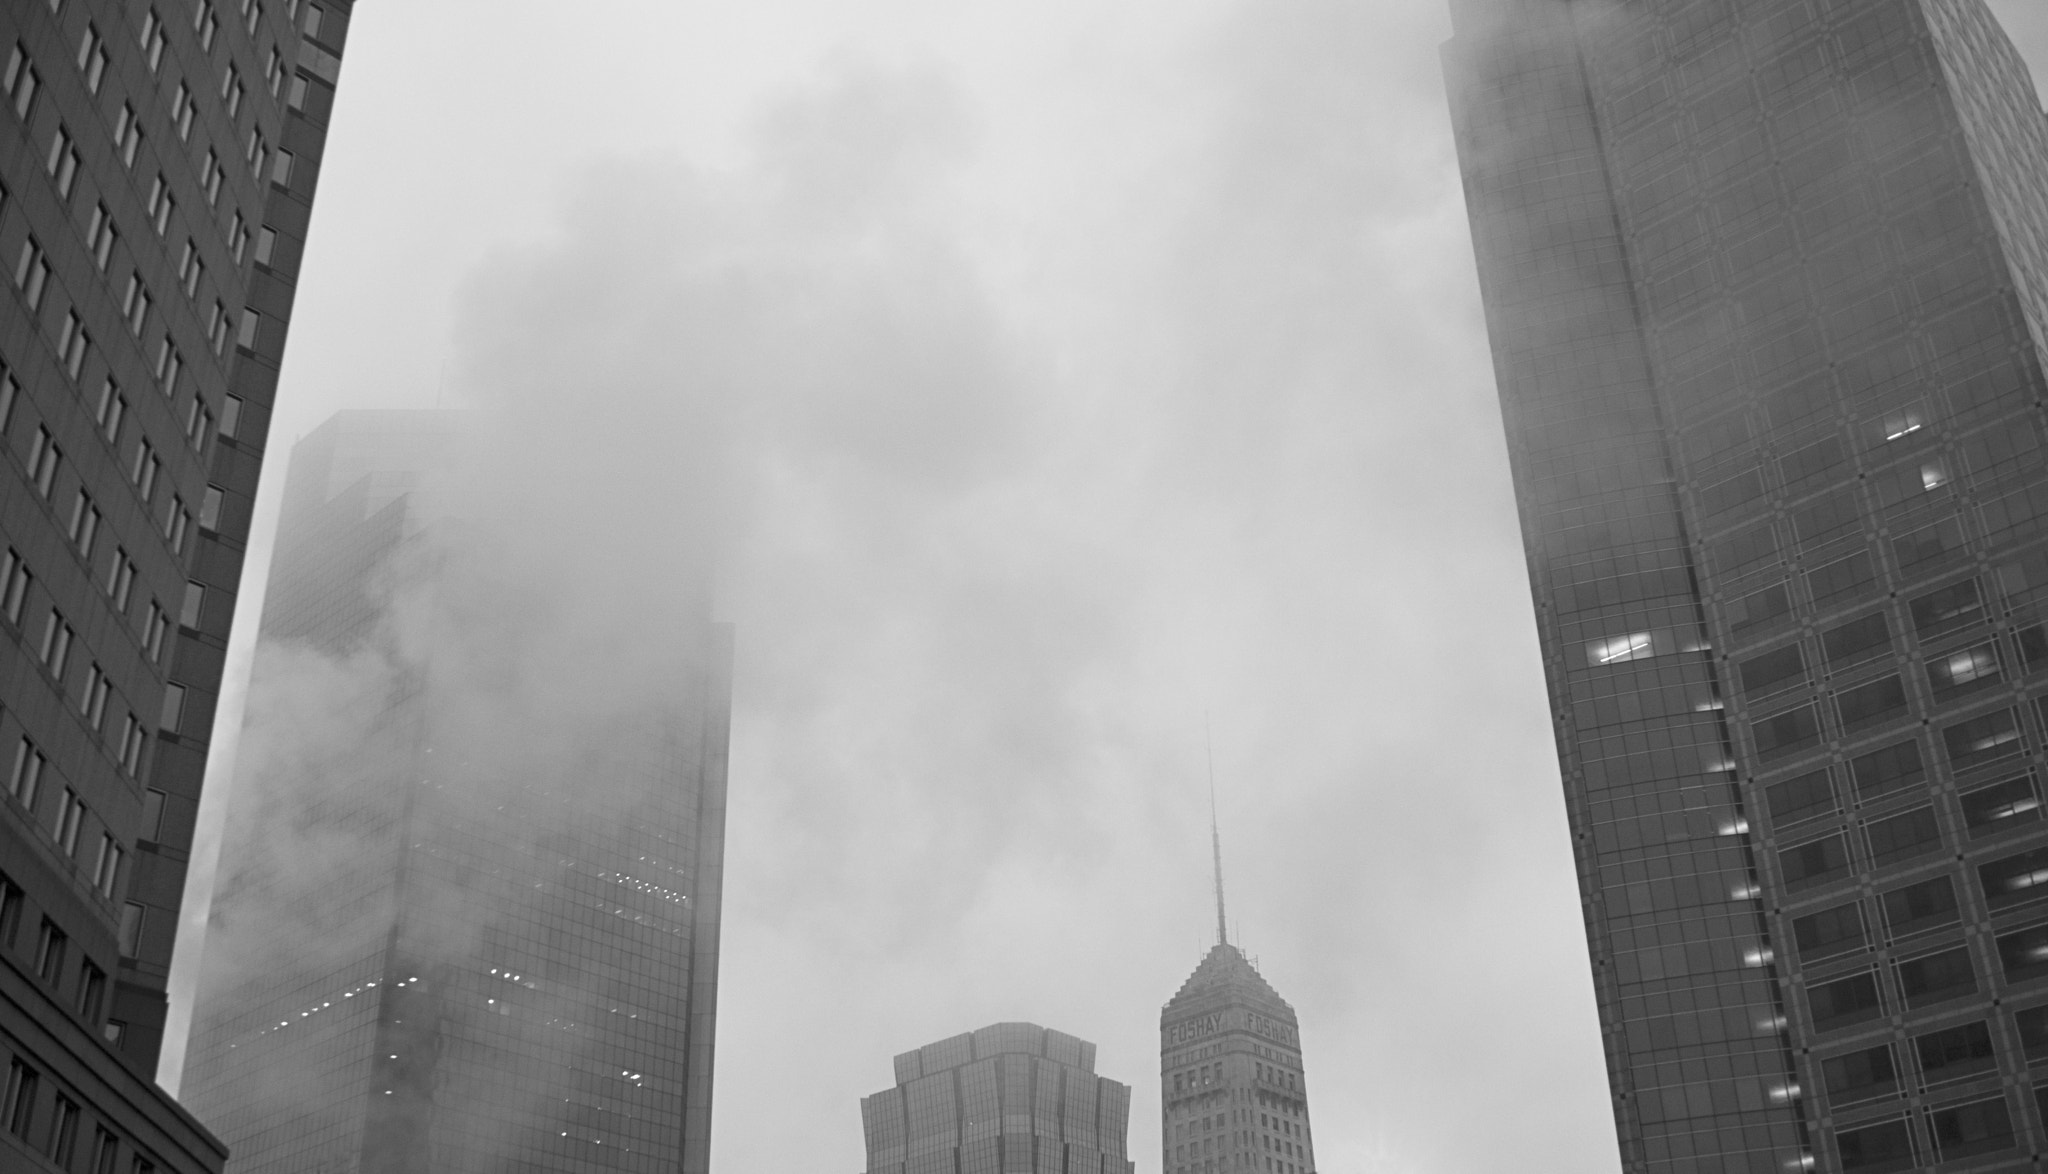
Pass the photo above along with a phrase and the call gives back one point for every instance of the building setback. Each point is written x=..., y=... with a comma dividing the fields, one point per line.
x=157, y=169
x=1767, y=285
x=1009, y=1097
x=458, y=942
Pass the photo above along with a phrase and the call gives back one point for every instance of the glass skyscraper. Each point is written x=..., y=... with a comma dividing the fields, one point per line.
x=1232, y=1092
x=157, y=171
x=1767, y=285
x=451, y=933
x=1011, y=1097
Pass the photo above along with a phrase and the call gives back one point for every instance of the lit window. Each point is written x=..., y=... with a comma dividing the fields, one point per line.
x=21, y=81
x=32, y=273
x=92, y=58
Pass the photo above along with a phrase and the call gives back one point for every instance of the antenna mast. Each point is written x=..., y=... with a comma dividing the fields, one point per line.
x=1216, y=842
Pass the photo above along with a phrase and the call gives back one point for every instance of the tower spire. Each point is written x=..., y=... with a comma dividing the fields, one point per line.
x=1216, y=843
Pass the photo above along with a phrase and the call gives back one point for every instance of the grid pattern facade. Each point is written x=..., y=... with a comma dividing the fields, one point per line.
x=157, y=168
x=1764, y=283
x=1232, y=1092
x=1011, y=1098
x=509, y=969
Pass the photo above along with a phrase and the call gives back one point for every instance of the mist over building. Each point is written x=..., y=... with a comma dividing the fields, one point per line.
x=467, y=913
x=157, y=171
x=1011, y=1096
x=1767, y=286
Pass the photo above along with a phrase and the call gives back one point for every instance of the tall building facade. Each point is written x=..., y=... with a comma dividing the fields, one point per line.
x=1009, y=1097
x=1767, y=285
x=157, y=169
x=452, y=932
x=1232, y=1091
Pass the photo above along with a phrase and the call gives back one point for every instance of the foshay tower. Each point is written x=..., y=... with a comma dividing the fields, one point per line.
x=1767, y=284
x=1232, y=1093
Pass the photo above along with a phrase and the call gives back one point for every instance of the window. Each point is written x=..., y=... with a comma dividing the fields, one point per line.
x=198, y=425
x=25, y=781
x=18, y=1107
x=1980, y=1128
x=174, y=708
x=9, y=390
x=1860, y=1076
x=153, y=814
x=1995, y=808
x=2012, y=879
x=1903, y=836
x=176, y=521
x=1799, y=798
x=266, y=245
x=1874, y=1149
x=63, y=161
x=11, y=898
x=257, y=154
x=135, y=304
x=32, y=273
x=1857, y=640
x=2024, y=954
x=1982, y=739
x=153, y=39
x=314, y=16
x=50, y=946
x=145, y=469
x=188, y=615
x=255, y=15
x=70, y=817
x=106, y=1149
x=106, y=869
x=132, y=736
x=217, y=326
x=181, y=111
x=210, y=174
x=1933, y=978
x=121, y=580
x=21, y=81
x=92, y=992
x=1887, y=769
x=169, y=364
x=92, y=58
x=73, y=344
x=14, y=580
x=92, y=704
x=206, y=25
x=1786, y=732
x=85, y=523
x=1814, y=862
x=131, y=929
x=64, y=1132
x=1947, y=609
x=1773, y=671
x=1927, y=905
x=231, y=416
x=1868, y=704
x=153, y=632
x=1830, y=932
x=127, y=134
x=273, y=70
x=1958, y=672
x=190, y=268
x=238, y=236
x=295, y=97
x=209, y=508
x=56, y=646
x=281, y=170
x=231, y=90
x=245, y=337
x=1844, y=1001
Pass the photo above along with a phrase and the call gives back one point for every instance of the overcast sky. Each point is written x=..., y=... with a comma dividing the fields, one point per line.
x=1147, y=392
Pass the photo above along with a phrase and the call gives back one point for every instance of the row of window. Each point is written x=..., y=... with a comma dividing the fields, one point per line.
x=25, y=785
x=1956, y=1132
x=96, y=702
x=54, y=1126
x=1932, y=978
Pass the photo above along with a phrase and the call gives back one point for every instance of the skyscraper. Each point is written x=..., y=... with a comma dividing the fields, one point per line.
x=1009, y=1097
x=468, y=908
x=1767, y=285
x=1233, y=1094
x=157, y=169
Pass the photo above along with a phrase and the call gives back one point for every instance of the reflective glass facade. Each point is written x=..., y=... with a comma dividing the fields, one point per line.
x=158, y=163
x=1765, y=285
x=457, y=945
x=1232, y=1092
x=1011, y=1098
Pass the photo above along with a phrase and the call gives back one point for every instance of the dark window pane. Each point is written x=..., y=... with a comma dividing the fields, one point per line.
x=1922, y=906
x=1827, y=518
x=1772, y=670
x=1908, y=834
x=2015, y=878
x=1794, y=799
x=2033, y=1028
x=1888, y=769
x=1876, y=1149
x=1737, y=552
x=2024, y=953
x=1982, y=739
x=1844, y=1001
x=1857, y=639
x=1995, y=808
x=1930, y=544
x=1815, y=461
x=1830, y=932
x=1947, y=609
x=1931, y=978
x=1956, y=1052
x=1734, y=493
x=1866, y=704
x=1786, y=732
x=1860, y=1075
x=1759, y=608
x=1841, y=577
x=1814, y=862
x=1979, y=1128
x=2033, y=645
